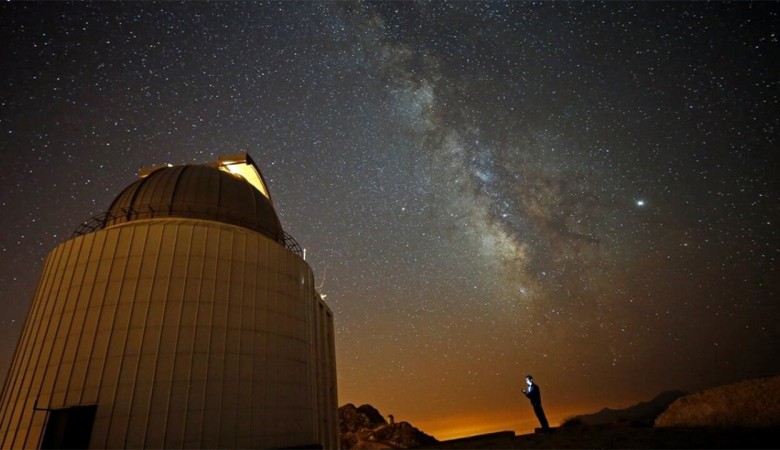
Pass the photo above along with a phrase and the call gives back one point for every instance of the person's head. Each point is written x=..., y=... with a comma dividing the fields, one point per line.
x=529, y=380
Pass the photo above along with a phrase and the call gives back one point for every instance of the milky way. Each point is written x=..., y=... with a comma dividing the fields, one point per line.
x=583, y=191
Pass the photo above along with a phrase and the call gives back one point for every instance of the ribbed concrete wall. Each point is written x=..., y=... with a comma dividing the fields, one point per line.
x=326, y=392
x=184, y=333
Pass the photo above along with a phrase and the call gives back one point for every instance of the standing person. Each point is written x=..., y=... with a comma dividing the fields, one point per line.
x=535, y=395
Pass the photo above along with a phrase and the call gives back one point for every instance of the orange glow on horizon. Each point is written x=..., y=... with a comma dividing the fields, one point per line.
x=521, y=421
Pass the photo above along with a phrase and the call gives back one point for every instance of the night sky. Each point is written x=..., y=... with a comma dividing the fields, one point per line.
x=586, y=192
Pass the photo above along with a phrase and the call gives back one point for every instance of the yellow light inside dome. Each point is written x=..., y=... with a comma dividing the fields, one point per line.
x=243, y=166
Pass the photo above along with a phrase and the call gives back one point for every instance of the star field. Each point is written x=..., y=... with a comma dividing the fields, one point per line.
x=582, y=191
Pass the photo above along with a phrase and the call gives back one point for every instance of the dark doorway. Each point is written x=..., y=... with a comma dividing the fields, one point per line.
x=69, y=427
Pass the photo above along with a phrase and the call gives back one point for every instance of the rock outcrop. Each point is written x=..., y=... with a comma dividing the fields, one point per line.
x=749, y=403
x=364, y=427
x=642, y=414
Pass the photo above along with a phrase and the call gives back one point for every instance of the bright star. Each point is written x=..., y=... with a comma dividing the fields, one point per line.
x=640, y=203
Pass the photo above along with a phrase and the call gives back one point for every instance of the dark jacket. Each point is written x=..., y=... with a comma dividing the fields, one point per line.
x=534, y=394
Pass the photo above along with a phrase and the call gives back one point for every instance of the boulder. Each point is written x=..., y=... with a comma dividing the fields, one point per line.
x=749, y=403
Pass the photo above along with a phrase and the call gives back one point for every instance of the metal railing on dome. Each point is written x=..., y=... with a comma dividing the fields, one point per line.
x=108, y=218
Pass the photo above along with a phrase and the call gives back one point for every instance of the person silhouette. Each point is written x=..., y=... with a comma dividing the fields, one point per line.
x=535, y=395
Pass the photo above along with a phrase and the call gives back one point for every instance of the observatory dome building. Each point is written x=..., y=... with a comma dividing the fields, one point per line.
x=183, y=317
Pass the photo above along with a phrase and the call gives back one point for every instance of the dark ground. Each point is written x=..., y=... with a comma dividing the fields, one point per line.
x=623, y=437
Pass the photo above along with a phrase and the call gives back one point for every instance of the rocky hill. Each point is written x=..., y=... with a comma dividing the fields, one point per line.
x=364, y=427
x=640, y=415
x=749, y=403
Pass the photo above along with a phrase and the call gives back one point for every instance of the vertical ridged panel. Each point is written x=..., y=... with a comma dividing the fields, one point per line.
x=78, y=349
x=104, y=371
x=46, y=367
x=13, y=388
x=214, y=285
x=126, y=335
x=144, y=329
x=97, y=315
x=165, y=309
x=185, y=333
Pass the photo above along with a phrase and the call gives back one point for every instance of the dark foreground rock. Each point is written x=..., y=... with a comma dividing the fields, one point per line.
x=642, y=414
x=365, y=428
x=623, y=437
